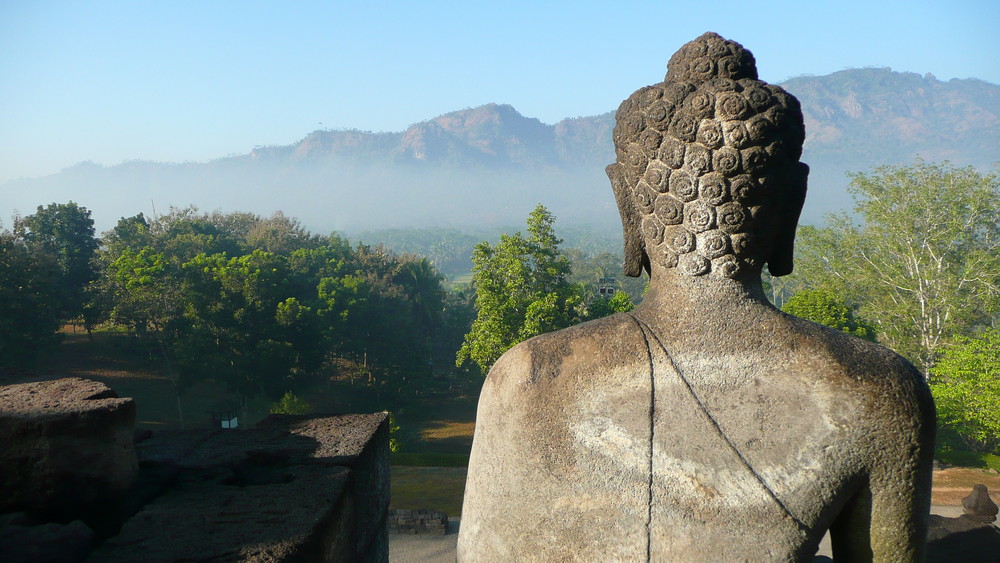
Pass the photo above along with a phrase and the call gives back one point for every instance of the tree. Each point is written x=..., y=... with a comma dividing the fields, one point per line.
x=826, y=308
x=290, y=404
x=30, y=291
x=261, y=304
x=925, y=263
x=241, y=327
x=144, y=289
x=619, y=302
x=966, y=387
x=280, y=234
x=65, y=231
x=593, y=270
x=522, y=290
x=780, y=289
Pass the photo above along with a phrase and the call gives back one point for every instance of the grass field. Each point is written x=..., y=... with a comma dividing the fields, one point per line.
x=434, y=425
x=436, y=488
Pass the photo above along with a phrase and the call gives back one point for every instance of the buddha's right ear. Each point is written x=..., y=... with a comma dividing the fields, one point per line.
x=631, y=231
x=787, y=211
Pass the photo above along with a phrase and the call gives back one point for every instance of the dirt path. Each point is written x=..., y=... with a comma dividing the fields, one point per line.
x=955, y=483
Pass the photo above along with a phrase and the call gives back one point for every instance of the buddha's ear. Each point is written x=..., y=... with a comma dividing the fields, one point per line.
x=635, y=254
x=787, y=211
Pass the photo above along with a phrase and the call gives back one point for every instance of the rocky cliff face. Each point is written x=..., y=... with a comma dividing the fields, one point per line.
x=894, y=115
x=863, y=117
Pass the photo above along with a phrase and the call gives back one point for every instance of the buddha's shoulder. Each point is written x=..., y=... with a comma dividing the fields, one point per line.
x=593, y=347
x=852, y=362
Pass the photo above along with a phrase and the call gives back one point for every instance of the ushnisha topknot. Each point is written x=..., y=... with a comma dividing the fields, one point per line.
x=705, y=160
x=711, y=56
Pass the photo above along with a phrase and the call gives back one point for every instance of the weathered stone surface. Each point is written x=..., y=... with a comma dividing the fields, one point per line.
x=329, y=440
x=969, y=537
x=294, y=488
x=208, y=521
x=46, y=543
x=705, y=425
x=979, y=506
x=64, y=444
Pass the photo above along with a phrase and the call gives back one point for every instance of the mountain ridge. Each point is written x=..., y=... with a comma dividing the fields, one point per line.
x=491, y=164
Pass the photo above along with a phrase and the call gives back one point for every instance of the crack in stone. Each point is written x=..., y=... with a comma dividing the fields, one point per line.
x=652, y=427
x=715, y=425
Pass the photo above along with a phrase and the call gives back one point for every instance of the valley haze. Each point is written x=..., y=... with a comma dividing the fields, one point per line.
x=488, y=166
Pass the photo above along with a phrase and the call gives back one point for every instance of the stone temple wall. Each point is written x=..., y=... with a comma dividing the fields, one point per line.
x=419, y=521
x=293, y=488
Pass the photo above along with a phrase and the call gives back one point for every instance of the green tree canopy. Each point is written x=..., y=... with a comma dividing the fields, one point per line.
x=290, y=404
x=522, y=290
x=827, y=308
x=30, y=292
x=261, y=304
x=966, y=387
x=66, y=232
x=619, y=302
x=925, y=262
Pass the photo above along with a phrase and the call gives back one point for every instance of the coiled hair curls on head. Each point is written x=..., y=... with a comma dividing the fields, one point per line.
x=708, y=178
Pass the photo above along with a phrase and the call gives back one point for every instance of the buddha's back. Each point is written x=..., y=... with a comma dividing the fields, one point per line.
x=611, y=441
x=705, y=425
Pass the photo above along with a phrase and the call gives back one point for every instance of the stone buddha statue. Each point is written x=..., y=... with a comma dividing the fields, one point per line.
x=705, y=425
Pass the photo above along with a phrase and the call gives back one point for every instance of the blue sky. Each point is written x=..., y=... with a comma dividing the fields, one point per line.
x=177, y=81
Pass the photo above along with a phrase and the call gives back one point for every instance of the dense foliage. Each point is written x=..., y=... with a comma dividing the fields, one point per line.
x=966, y=387
x=826, y=308
x=46, y=266
x=29, y=301
x=290, y=404
x=524, y=288
x=261, y=304
x=65, y=233
x=258, y=304
x=925, y=263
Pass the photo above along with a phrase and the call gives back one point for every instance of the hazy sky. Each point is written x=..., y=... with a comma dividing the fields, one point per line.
x=176, y=81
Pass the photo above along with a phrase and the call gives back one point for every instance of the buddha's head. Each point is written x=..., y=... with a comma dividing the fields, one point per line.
x=708, y=178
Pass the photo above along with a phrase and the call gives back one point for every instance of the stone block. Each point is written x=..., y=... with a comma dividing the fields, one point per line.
x=65, y=445
x=303, y=519
x=979, y=506
x=46, y=543
x=311, y=488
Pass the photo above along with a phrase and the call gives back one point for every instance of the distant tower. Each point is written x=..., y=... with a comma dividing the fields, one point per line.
x=606, y=287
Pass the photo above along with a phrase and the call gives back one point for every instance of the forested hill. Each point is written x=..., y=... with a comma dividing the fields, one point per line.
x=490, y=165
x=898, y=114
x=861, y=118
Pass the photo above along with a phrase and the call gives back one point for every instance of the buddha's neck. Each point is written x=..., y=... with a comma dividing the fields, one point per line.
x=691, y=301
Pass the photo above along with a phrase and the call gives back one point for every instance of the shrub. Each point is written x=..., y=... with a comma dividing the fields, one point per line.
x=290, y=404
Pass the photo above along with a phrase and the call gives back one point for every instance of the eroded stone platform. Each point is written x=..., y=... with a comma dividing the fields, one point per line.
x=292, y=488
x=74, y=474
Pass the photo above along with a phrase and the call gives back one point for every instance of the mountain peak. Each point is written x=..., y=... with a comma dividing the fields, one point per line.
x=491, y=134
x=503, y=114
